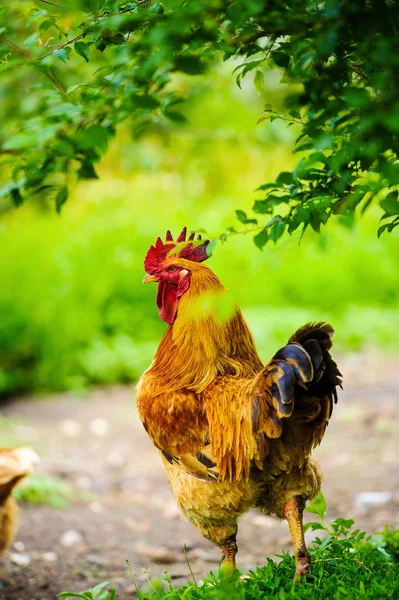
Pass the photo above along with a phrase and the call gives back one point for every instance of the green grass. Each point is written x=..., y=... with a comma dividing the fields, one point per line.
x=41, y=489
x=344, y=566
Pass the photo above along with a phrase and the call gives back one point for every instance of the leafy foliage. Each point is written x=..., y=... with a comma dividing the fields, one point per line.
x=89, y=66
x=95, y=593
x=344, y=565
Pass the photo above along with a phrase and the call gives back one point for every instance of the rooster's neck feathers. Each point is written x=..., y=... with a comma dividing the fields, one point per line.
x=193, y=351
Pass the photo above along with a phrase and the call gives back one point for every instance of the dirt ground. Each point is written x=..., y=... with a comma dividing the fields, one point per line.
x=124, y=524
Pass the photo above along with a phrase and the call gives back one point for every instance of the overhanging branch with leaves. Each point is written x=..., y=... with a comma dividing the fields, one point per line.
x=343, y=58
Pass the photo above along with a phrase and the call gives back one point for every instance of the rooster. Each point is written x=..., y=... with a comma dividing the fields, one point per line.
x=15, y=464
x=232, y=433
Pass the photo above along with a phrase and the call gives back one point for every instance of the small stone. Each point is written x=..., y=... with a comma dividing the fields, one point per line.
x=19, y=546
x=84, y=482
x=49, y=557
x=160, y=554
x=22, y=560
x=134, y=525
x=99, y=427
x=99, y=561
x=95, y=507
x=70, y=428
x=70, y=538
x=116, y=460
x=366, y=501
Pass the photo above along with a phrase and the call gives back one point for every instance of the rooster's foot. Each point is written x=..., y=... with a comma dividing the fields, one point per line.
x=302, y=568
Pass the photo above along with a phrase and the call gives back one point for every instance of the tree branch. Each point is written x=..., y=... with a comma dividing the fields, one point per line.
x=51, y=3
x=14, y=47
x=28, y=55
x=358, y=72
x=75, y=39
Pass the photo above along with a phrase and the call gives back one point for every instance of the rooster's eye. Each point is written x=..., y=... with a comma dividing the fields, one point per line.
x=171, y=269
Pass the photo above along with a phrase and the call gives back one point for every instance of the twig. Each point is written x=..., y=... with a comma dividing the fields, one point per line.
x=51, y=3
x=355, y=70
x=291, y=120
x=28, y=55
x=260, y=34
x=129, y=8
x=14, y=47
x=358, y=72
x=75, y=39
x=67, y=43
x=242, y=232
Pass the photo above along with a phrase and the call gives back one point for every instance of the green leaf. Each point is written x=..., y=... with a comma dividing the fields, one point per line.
x=391, y=204
x=268, y=186
x=259, y=81
x=32, y=39
x=190, y=64
x=112, y=39
x=82, y=49
x=318, y=506
x=175, y=116
x=295, y=114
x=388, y=226
x=286, y=178
x=20, y=140
x=281, y=59
x=87, y=171
x=145, y=101
x=36, y=14
x=157, y=8
x=313, y=527
x=96, y=589
x=262, y=207
x=61, y=198
x=211, y=246
x=241, y=216
x=45, y=25
x=16, y=197
x=261, y=238
x=277, y=230
x=356, y=97
x=94, y=136
x=62, y=54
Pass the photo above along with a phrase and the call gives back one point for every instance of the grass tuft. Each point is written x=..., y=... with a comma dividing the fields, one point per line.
x=39, y=489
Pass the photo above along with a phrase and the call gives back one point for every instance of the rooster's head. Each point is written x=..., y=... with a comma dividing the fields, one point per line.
x=170, y=264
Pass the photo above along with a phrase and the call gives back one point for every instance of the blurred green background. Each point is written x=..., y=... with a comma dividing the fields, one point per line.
x=73, y=311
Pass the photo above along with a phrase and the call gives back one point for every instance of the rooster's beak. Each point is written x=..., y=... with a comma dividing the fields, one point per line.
x=149, y=278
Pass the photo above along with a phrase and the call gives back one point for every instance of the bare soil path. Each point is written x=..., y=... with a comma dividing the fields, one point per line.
x=124, y=511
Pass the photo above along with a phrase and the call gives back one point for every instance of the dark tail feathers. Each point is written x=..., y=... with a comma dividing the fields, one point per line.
x=307, y=357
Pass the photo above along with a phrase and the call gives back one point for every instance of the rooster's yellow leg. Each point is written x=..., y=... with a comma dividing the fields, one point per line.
x=229, y=551
x=293, y=512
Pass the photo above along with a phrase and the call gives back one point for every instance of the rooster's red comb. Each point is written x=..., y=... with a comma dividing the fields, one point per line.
x=195, y=250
